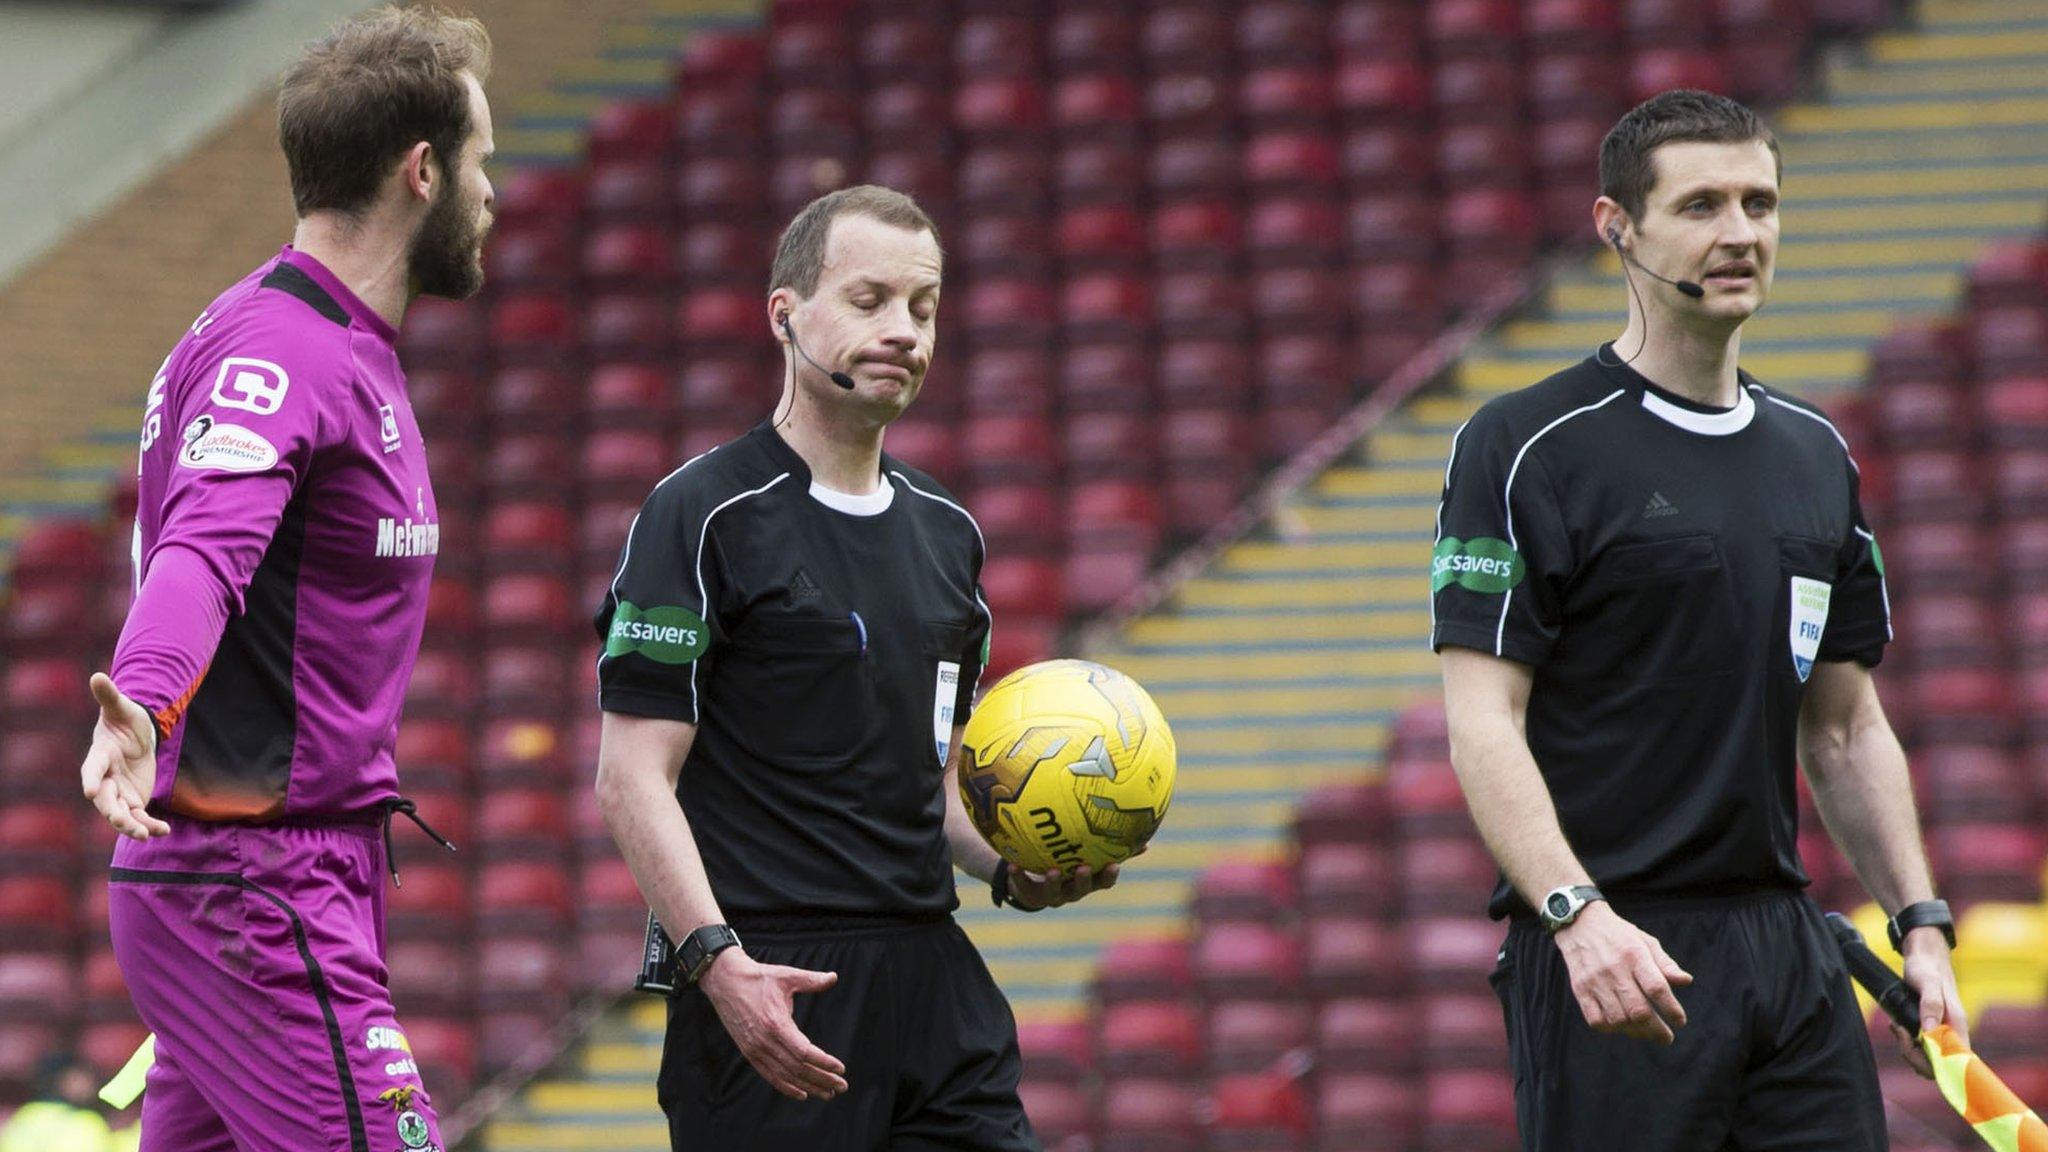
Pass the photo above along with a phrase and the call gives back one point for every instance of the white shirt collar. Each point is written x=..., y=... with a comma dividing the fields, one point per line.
x=873, y=504
x=1704, y=423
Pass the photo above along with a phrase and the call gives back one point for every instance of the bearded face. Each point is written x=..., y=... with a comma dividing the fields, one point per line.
x=447, y=256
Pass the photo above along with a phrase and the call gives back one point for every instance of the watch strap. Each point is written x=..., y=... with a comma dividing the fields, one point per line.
x=999, y=889
x=1924, y=914
x=702, y=946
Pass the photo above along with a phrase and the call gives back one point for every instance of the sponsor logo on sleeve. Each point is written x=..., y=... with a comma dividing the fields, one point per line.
x=388, y=429
x=663, y=634
x=1809, y=620
x=1483, y=565
x=216, y=447
x=251, y=385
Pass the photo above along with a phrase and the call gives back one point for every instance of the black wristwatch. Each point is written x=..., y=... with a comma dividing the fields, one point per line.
x=999, y=889
x=701, y=947
x=1563, y=906
x=1925, y=914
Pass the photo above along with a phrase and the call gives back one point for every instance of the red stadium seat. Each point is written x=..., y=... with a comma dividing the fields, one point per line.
x=807, y=120
x=1388, y=159
x=1008, y=313
x=1010, y=379
x=626, y=192
x=1019, y=518
x=1191, y=36
x=1392, y=228
x=2010, y=273
x=1923, y=415
x=1473, y=27
x=529, y=536
x=1985, y=862
x=1575, y=86
x=2014, y=411
x=1571, y=25
x=1382, y=93
x=1099, y=172
x=642, y=130
x=1302, y=164
x=629, y=256
x=1937, y=486
x=1928, y=350
x=995, y=45
x=1199, y=304
x=1377, y=30
x=636, y=327
x=903, y=47
x=1105, y=306
x=1106, y=375
x=522, y=824
x=1148, y=1115
x=1023, y=586
x=1668, y=24
x=522, y=897
x=1478, y=90
x=721, y=188
x=104, y=992
x=812, y=52
x=1011, y=449
x=1462, y=1030
x=1970, y=784
x=1484, y=156
x=721, y=251
x=539, y=326
x=525, y=399
x=1206, y=371
x=713, y=124
x=1241, y=959
x=1097, y=575
x=526, y=258
x=1306, y=371
x=2011, y=340
x=1194, y=235
x=532, y=195
x=1098, y=105
x=40, y=764
x=901, y=113
x=1112, y=445
x=1255, y=1035
x=1059, y=1111
x=106, y=1046
x=1290, y=32
x=1941, y=555
x=1113, y=509
x=1201, y=165
x=1149, y=1038
x=1366, y=1112
x=1353, y=957
x=1087, y=37
x=443, y=685
x=628, y=395
x=1340, y=877
x=47, y=692
x=1956, y=704
x=1144, y=967
x=36, y=985
x=1365, y=1035
x=38, y=912
x=430, y=976
x=999, y=110
x=1470, y=1110
x=1102, y=237
x=1442, y=875
x=1185, y=104
x=1451, y=954
x=39, y=614
x=1660, y=70
x=624, y=463
x=1006, y=244
x=1258, y=1112
x=928, y=444
x=1291, y=98
x=1261, y=891
x=1002, y=176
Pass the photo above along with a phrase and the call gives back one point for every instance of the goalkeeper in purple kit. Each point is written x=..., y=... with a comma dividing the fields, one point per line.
x=285, y=540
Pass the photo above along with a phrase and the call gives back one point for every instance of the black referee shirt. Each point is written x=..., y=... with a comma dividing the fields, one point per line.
x=824, y=645
x=1670, y=572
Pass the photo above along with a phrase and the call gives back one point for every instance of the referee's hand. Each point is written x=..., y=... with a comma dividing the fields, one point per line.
x=1930, y=973
x=1060, y=886
x=754, y=1002
x=1622, y=976
x=119, y=772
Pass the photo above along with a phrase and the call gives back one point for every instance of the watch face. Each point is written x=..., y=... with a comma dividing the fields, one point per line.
x=1559, y=904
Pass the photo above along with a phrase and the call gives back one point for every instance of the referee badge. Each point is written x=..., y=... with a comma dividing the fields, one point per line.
x=1809, y=620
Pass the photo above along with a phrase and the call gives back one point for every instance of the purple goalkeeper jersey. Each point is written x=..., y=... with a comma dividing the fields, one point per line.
x=285, y=539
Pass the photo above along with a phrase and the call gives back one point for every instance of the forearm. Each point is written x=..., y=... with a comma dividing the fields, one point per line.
x=1865, y=796
x=653, y=834
x=971, y=853
x=1512, y=807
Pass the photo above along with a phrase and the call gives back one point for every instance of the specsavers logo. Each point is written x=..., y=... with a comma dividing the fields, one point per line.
x=664, y=634
x=1483, y=565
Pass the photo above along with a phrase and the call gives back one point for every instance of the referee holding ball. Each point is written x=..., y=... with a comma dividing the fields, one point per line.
x=791, y=647
x=1654, y=593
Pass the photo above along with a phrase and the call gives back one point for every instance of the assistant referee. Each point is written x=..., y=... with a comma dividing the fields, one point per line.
x=792, y=643
x=1655, y=592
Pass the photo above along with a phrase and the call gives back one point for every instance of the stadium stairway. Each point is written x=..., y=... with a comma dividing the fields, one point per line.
x=1283, y=667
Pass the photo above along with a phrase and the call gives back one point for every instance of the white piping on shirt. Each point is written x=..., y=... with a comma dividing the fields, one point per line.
x=1508, y=503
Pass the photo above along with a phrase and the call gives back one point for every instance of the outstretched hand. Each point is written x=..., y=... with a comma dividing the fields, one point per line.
x=1033, y=890
x=119, y=773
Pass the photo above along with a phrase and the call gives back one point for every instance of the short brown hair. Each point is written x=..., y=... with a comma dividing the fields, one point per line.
x=1680, y=116
x=800, y=254
x=363, y=94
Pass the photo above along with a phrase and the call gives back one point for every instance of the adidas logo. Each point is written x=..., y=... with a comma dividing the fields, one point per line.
x=1659, y=506
x=802, y=587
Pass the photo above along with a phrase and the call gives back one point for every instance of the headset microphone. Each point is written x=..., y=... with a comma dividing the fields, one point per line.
x=1686, y=286
x=839, y=378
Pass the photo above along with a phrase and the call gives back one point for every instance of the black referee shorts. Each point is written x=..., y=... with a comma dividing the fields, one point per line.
x=1773, y=1058
x=928, y=1040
